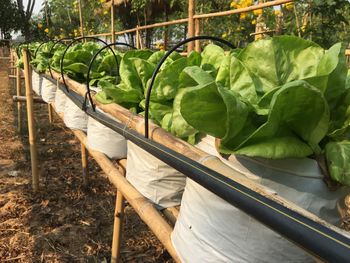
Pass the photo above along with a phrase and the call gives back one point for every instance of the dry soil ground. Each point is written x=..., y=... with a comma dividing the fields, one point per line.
x=64, y=221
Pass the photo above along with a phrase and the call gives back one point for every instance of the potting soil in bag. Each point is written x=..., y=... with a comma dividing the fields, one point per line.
x=211, y=230
x=48, y=91
x=154, y=179
x=105, y=140
x=74, y=117
x=60, y=101
x=37, y=82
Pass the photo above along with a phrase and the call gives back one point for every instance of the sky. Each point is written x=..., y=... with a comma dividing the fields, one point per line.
x=37, y=6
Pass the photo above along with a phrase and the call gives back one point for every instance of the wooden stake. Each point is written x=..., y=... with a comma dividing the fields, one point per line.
x=81, y=19
x=117, y=227
x=31, y=123
x=112, y=22
x=197, y=32
x=84, y=163
x=19, y=107
x=190, y=33
x=49, y=111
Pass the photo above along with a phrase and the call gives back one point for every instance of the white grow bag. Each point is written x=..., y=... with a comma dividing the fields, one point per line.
x=60, y=101
x=37, y=82
x=211, y=230
x=48, y=90
x=154, y=179
x=74, y=117
x=105, y=140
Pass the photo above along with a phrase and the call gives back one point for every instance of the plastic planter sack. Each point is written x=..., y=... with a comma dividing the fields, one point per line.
x=37, y=82
x=74, y=117
x=211, y=230
x=154, y=179
x=60, y=101
x=48, y=91
x=105, y=140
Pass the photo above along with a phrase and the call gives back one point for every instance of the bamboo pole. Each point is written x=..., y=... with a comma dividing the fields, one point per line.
x=136, y=122
x=112, y=22
x=197, y=43
x=49, y=112
x=31, y=124
x=19, y=107
x=190, y=29
x=117, y=227
x=23, y=99
x=243, y=10
x=138, y=38
x=81, y=18
x=84, y=163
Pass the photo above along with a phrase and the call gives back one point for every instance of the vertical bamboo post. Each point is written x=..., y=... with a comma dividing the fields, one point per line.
x=18, y=93
x=112, y=22
x=197, y=44
x=31, y=124
x=138, y=40
x=117, y=227
x=190, y=33
x=84, y=163
x=81, y=19
x=49, y=111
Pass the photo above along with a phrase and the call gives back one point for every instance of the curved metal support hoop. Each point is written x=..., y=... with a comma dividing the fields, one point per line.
x=69, y=45
x=50, y=52
x=90, y=66
x=38, y=48
x=155, y=72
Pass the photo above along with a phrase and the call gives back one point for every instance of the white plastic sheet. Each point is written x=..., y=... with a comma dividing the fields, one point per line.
x=157, y=181
x=60, y=100
x=48, y=91
x=74, y=117
x=105, y=140
x=211, y=230
x=37, y=82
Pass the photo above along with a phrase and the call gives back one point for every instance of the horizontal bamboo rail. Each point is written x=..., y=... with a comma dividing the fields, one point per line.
x=14, y=76
x=136, y=122
x=23, y=99
x=143, y=207
x=243, y=10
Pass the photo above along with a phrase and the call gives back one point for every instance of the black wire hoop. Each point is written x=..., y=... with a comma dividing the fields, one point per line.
x=88, y=93
x=160, y=63
x=55, y=43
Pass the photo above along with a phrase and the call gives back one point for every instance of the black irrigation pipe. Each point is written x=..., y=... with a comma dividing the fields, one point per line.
x=90, y=66
x=319, y=240
x=160, y=63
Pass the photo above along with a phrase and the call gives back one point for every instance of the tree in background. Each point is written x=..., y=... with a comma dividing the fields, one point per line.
x=9, y=18
x=25, y=13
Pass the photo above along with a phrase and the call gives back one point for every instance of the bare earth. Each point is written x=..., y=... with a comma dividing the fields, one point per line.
x=64, y=221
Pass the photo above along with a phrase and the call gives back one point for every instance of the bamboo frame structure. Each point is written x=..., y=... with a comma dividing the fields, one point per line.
x=84, y=163
x=197, y=17
x=81, y=19
x=31, y=123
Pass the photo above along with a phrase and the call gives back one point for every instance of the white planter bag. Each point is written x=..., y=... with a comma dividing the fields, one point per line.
x=48, y=91
x=74, y=117
x=60, y=101
x=37, y=82
x=154, y=179
x=105, y=140
x=211, y=230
